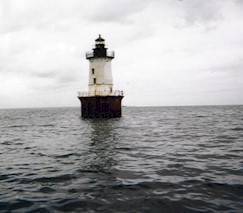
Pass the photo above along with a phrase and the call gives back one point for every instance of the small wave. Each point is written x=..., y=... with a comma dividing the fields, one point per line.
x=123, y=148
x=80, y=205
x=216, y=188
x=39, y=210
x=201, y=116
x=237, y=129
x=66, y=155
x=15, y=141
x=87, y=171
x=46, y=189
x=236, y=188
x=4, y=177
x=46, y=125
x=225, y=138
x=54, y=179
x=39, y=154
x=17, y=126
x=6, y=143
x=18, y=204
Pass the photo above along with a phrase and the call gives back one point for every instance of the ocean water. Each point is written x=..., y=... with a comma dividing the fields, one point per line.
x=153, y=159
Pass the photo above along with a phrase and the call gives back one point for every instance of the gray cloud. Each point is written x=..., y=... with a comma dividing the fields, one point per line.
x=117, y=11
x=201, y=11
x=56, y=15
x=49, y=15
x=240, y=2
x=234, y=68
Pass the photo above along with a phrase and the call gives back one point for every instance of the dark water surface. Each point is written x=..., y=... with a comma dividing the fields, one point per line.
x=160, y=159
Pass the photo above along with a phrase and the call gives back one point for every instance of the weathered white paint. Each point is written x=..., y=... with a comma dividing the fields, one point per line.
x=114, y=93
x=100, y=70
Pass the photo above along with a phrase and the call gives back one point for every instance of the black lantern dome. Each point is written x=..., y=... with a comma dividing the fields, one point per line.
x=100, y=51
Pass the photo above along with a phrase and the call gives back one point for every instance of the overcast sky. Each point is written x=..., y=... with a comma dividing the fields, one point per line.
x=168, y=52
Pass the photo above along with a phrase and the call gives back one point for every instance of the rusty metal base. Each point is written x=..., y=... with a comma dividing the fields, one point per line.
x=101, y=106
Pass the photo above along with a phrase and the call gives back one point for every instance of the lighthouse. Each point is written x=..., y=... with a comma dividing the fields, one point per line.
x=101, y=100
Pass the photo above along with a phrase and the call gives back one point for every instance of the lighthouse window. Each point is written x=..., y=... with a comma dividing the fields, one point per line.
x=93, y=71
x=94, y=80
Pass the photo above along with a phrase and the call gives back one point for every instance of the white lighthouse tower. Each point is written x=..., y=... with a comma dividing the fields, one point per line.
x=100, y=100
x=100, y=76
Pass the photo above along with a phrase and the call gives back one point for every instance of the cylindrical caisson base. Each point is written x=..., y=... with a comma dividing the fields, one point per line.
x=101, y=106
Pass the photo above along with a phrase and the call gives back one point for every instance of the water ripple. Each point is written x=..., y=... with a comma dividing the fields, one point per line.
x=153, y=159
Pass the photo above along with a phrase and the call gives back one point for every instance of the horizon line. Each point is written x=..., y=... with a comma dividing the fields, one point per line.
x=189, y=105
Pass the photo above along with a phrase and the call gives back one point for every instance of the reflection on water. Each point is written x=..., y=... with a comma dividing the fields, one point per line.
x=103, y=142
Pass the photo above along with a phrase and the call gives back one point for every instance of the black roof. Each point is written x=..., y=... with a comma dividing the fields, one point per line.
x=99, y=39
